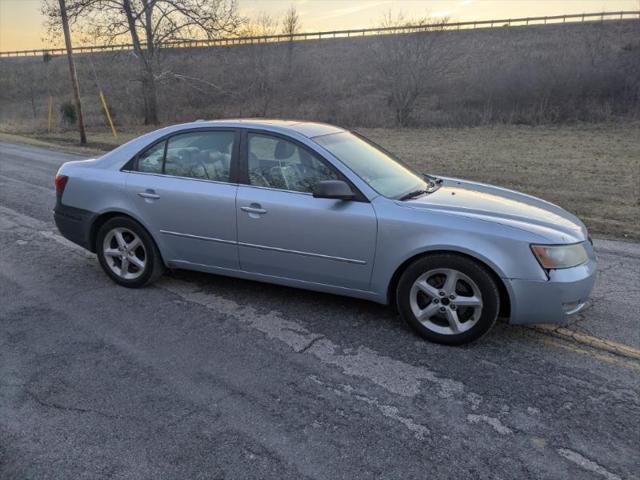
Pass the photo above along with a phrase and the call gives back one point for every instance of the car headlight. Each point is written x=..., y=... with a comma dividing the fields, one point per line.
x=560, y=256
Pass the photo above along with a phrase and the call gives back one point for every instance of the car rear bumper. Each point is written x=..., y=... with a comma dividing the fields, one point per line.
x=565, y=293
x=74, y=224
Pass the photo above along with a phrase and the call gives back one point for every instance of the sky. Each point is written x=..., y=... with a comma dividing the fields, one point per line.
x=21, y=24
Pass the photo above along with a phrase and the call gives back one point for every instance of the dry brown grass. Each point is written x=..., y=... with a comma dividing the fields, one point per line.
x=98, y=142
x=592, y=170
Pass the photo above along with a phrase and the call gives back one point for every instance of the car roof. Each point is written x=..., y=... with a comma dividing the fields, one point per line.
x=308, y=129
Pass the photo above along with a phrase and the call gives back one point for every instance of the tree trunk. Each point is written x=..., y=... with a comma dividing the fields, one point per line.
x=149, y=83
x=72, y=71
x=149, y=93
x=150, y=96
x=289, y=58
x=33, y=103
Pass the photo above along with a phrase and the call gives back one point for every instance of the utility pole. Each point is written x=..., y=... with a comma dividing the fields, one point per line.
x=72, y=70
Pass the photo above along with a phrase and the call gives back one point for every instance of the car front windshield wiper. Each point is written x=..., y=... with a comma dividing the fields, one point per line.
x=433, y=184
x=413, y=194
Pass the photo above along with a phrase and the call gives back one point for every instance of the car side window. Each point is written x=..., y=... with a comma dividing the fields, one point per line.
x=151, y=160
x=278, y=163
x=203, y=155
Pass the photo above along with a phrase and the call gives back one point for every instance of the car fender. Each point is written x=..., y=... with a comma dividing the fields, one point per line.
x=503, y=249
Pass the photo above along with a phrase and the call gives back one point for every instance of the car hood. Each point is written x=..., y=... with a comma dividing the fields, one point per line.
x=507, y=207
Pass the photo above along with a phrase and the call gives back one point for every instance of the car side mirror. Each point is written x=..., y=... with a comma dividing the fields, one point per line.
x=336, y=189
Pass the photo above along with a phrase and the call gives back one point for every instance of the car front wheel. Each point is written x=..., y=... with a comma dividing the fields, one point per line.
x=448, y=298
x=127, y=253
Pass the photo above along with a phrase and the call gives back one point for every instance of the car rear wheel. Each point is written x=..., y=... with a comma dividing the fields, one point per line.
x=448, y=298
x=127, y=253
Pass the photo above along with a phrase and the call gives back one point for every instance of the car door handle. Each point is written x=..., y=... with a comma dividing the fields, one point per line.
x=155, y=196
x=258, y=210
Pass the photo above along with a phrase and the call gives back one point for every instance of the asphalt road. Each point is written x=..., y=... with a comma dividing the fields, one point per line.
x=208, y=377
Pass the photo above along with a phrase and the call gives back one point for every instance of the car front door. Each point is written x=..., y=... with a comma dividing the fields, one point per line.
x=183, y=189
x=284, y=231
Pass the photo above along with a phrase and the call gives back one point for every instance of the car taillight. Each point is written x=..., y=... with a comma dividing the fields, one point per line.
x=60, y=182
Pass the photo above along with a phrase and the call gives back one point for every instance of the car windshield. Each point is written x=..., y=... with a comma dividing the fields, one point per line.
x=383, y=173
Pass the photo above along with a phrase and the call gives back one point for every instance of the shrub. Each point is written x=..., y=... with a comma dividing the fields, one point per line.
x=68, y=111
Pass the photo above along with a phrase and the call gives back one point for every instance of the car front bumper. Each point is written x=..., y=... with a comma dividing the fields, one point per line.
x=552, y=301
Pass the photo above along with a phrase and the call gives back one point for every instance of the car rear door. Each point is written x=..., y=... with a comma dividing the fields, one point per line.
x=184, y=189
x=284, y=231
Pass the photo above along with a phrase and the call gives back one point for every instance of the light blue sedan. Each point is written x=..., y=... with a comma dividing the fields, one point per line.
x=314, y=206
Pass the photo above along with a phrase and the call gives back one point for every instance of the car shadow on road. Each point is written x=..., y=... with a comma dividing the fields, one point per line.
x=353, y=322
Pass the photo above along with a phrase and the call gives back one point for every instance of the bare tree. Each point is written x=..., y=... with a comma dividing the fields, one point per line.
x=407, y=62
x=290, y=26
x=596, y=44
x=27, y=84
x=262, y=64
x=262, y=25
x=291, y=22
x=150, y=25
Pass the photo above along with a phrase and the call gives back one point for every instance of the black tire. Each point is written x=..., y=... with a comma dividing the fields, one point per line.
x=476, y=272
x=154, y=266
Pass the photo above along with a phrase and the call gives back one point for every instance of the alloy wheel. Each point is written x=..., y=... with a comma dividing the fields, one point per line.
x=446, y=301
x=124, y=253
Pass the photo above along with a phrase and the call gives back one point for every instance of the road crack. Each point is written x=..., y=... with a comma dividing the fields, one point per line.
x=311, y=344
x=73, y=409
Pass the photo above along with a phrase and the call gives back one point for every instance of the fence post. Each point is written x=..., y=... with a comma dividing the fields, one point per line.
x=50, y=119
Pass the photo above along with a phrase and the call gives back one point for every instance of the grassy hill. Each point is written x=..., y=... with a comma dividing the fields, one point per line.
x=519, y=75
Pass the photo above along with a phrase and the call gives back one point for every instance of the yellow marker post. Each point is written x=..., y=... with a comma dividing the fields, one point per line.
x=108, y=114
x=50, y=119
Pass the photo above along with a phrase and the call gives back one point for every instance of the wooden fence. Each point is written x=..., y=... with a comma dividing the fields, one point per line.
x=229, y=41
